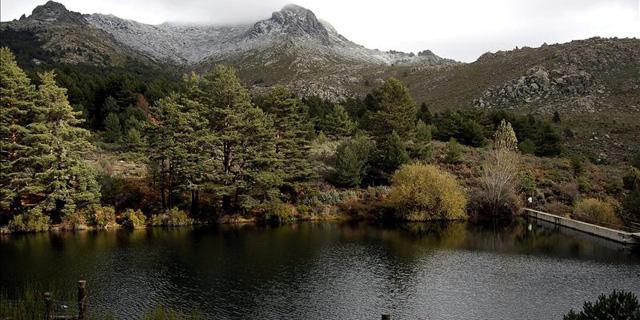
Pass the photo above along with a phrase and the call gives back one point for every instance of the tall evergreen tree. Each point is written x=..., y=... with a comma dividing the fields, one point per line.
x=338, y=123
x=247, y=148
x=421, y=147
x=391, y=154
x=17, y=110
x=64, y=181
x=293, y=130
x=177, y=148
x=112, y=127
x=352, y=157
x=395, y=110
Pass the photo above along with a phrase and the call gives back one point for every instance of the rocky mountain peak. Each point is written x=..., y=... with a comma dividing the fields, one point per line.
x=292, y=20
x=55, y=12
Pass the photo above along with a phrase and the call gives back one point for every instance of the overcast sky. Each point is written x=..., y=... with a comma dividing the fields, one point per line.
x=458, y=29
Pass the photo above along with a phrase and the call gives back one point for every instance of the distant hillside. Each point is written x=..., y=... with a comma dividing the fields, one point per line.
x=594, y=84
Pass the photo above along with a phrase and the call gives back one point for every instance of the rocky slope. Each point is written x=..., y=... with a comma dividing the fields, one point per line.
x=108, y=39
x=64, y=37
x=594, y=84
x=293, y=24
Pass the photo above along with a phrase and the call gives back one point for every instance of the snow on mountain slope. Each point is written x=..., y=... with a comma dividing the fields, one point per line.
x=293, y=25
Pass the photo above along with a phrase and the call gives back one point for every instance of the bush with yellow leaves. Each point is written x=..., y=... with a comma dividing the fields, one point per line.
x=422, y=192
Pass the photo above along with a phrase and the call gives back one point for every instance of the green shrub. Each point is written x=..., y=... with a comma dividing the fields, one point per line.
x=618, y=305
x=173, y=217
x=578, y=165
x=422, y=192
x=421, y=148
x=527, y=146
x=584, y=185
x=351, y=161
x=454, y=152
x=280, y=213
x=101, y=217
x=134, y=219
x=596, y=211
x=32, y=221
x=391, y=153
x=473, y=134
x=75, y=221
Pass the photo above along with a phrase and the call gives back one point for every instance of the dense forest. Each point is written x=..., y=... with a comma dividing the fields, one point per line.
x=211, y=151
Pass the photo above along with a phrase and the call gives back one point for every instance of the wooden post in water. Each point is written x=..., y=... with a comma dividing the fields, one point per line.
x=48, y=306
x=386, y=316
x=82, y=299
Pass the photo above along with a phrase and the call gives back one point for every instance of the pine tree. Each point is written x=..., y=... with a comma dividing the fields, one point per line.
x=293, y=130
x=17, y=111
x=110, y=105
x=247, y=148
x=113, y=130
x=352, y=157
x=338, y=123
x=391, y=154
x=424, y=114
x=134, y=139
x=176, y=148
x=421, y=147
x=64, y=181
x=395, y=110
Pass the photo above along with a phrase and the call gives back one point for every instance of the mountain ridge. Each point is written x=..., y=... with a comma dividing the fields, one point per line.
x=188, y=44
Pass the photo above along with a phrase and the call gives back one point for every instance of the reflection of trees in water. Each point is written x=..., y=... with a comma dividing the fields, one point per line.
x=239, y=265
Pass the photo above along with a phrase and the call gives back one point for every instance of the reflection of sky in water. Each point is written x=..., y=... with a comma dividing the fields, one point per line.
x=328, y=270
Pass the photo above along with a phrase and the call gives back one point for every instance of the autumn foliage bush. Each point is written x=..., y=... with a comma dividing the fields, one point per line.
x=596, y=211
x=134, y=219
x=173, y=217
x=421, y=192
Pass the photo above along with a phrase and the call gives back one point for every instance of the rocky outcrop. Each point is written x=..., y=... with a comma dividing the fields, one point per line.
x=53, y=12
x=538, y=84
x=294, y=21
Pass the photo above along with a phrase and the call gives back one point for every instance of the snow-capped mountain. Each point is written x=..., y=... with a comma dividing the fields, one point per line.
x=293, y=25
x=291, y=47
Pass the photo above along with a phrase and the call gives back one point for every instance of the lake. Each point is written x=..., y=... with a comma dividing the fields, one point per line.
x=522, y=270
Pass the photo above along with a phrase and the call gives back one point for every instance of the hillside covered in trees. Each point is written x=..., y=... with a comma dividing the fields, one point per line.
x=205, y=149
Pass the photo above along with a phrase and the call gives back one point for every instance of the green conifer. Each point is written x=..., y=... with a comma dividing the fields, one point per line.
x=396, y=110
x=112, y=127
x=17, y=111
x=65, y=183
x=293, y=130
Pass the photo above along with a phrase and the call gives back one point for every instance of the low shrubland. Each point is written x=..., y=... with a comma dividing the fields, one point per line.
x=596, y=211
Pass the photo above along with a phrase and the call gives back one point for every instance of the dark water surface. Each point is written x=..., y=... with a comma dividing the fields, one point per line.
x=329, y=270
